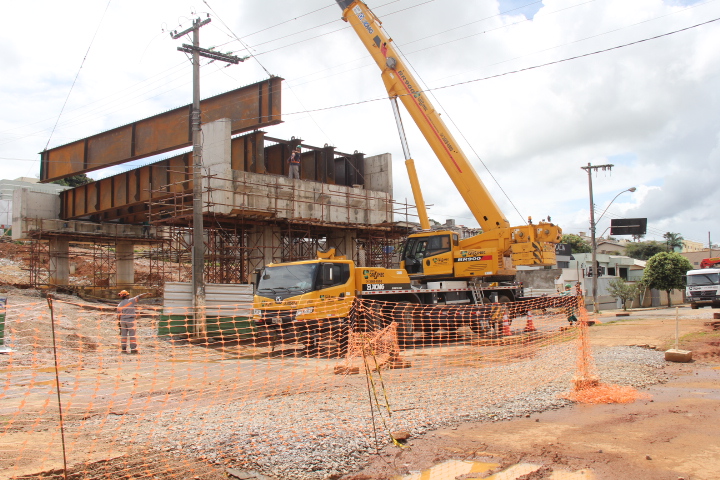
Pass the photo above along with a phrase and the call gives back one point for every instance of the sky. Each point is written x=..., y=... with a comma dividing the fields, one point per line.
x=532, y=91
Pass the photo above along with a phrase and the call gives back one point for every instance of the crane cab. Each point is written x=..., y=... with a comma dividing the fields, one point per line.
x=429, y=253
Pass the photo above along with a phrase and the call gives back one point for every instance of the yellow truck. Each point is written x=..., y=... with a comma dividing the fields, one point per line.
x=308, y=300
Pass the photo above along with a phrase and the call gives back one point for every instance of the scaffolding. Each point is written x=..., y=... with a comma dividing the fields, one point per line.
x=235, y=246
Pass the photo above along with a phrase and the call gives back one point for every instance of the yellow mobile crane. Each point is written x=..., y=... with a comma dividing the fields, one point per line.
x=437, y=267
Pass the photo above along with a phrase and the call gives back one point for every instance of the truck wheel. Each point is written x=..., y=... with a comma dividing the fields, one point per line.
x=694, y=306
x=329, y=341
x=510, y=310
x=375, y=320
x=403, y=315
x=340, y=340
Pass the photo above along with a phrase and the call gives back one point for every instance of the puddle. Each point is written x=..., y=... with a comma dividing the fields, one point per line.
x=451, y=469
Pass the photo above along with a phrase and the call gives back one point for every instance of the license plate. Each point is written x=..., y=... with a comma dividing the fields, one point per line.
x=277, y=320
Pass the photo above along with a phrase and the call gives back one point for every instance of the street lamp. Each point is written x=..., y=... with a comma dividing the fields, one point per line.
x=593, y=223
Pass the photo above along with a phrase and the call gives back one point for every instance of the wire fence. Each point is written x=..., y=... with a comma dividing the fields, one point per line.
x=308, y=401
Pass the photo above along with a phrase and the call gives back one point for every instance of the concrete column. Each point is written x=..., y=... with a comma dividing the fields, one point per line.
x=378, y=173
x=217, y=162
x=125, y=258
x=59, y=250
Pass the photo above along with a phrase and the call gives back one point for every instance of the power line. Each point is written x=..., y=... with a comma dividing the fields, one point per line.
x=534, y=67
x=78, y=73
x=512, y=72
x=574, y=41
x=463, y=136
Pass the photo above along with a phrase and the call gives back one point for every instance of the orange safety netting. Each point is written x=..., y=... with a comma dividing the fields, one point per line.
x=587, y=387
x=226, y=391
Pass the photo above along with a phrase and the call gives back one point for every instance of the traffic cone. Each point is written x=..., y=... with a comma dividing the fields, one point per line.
x=506, y=325
x=530, y=326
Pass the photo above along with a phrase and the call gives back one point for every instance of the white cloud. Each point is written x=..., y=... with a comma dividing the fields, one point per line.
x=651, y=108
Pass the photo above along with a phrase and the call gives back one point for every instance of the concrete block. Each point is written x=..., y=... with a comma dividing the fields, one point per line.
x=678, y=356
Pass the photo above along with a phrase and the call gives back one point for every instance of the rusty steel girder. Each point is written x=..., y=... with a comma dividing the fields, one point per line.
x=126, y=195
x=251, y=107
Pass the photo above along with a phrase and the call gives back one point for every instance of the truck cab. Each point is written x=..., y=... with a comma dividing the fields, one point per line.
x=305, y=302
x=703, y=288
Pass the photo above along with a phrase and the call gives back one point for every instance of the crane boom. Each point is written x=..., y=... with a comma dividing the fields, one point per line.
x=500, y=246
x=401, y=84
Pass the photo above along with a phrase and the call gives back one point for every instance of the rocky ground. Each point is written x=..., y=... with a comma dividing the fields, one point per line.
x=503, y=412
x=313, y=437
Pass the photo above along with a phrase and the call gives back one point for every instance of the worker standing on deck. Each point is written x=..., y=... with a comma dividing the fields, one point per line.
x=294, y=162
x=127, y=321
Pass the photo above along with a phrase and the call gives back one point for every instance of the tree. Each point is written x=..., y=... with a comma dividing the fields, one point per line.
x=666, y=271
x=577, y=244
x=638, y=237
x=74, y=181
x=622, y=290
x=644, y=250
x=673, y=241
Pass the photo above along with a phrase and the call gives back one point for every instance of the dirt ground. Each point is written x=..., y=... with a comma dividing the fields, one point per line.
x=675, y=434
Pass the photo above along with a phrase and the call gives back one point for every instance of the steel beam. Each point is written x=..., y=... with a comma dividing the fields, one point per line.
x=251, y=107
x=125, y=195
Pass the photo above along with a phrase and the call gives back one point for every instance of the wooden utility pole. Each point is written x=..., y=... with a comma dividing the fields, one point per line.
x=198, y=255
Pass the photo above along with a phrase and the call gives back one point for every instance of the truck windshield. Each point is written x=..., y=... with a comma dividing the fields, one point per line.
x=704, y=279
x=288, y=278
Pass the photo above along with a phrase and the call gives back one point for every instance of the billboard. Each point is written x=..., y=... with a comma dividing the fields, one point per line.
x=562, y=250
x=628, y=226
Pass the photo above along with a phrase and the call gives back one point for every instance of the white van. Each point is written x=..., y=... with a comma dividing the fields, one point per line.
x=703, y=287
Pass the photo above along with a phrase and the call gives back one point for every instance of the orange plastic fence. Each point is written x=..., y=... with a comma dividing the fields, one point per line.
x=305, y=402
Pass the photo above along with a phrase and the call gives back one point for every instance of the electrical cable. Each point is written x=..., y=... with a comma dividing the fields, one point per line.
x=505, y=12
x=574, y=41
x=501, y=27
x=516, y=71
x=78, y=73
x=267, y=72
x=534, y=67
x=237, y=38
x=463, y=137
x=333, y=31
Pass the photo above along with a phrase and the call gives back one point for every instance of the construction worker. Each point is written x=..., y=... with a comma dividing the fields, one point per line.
x=294, y=163
x=571, y=308
x=127, y=321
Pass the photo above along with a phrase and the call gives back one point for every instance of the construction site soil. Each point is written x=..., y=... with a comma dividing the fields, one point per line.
x=674, y=433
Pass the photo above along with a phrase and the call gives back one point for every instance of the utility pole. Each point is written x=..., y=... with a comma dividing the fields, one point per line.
x=198, y=250
x=589, y=169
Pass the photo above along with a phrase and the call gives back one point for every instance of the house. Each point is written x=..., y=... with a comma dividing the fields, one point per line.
x=695, y=257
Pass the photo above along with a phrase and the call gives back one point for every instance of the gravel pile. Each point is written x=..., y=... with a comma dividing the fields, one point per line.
x=325, y=434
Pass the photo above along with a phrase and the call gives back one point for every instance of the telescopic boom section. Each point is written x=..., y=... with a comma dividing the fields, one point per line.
x=400, y=83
